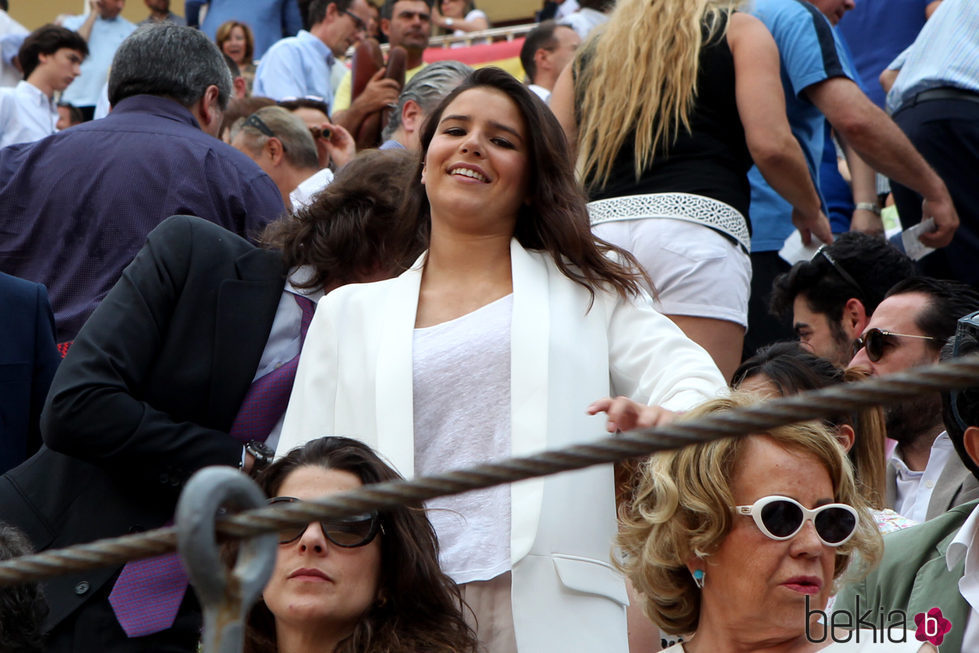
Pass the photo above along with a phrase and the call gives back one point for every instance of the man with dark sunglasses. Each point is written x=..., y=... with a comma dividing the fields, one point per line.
x=933, y=565
x=831, y=297
x=908, y=329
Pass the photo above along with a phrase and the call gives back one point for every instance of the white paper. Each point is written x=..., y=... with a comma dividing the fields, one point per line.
x=794, y=251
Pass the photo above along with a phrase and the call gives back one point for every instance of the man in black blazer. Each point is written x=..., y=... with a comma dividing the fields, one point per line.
x=155, y=380
x=28, y=359
x=146, y=396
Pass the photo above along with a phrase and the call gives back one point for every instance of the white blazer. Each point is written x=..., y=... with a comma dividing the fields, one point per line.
x=355, y=379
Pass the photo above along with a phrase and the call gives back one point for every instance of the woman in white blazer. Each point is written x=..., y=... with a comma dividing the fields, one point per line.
x=506, y=338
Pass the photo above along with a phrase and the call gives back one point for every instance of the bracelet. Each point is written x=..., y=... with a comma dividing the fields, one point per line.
x=449, y=22
x=873, y=207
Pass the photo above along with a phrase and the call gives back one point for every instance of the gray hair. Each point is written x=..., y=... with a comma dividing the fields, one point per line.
x=427, y=88
x=170, y=61
x=297, y=141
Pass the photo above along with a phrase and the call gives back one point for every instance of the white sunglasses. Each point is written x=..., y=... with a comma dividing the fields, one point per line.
x=780, y=518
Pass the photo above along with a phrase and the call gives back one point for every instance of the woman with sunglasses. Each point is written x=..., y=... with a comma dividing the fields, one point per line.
x=352, y=585
x=739, y=541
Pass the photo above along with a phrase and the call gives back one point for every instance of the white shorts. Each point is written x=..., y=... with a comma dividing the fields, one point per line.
x=696, y=271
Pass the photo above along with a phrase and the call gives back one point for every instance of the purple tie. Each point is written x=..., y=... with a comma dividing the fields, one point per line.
x=267, y=397
x=148, y=593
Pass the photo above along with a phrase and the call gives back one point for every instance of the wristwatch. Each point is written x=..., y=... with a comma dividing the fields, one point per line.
x=873, y=207
x=449, y=22
x=262, y=453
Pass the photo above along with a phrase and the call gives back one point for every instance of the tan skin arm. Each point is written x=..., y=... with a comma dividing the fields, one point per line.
x=863, y=184
x=882, y=144
x=85, y=31
x=774, y=149
x=474, y=25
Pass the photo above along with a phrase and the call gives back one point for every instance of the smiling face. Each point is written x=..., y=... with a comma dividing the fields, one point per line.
x=317, y=585
x=236, y=45
x=770, y=578
x=476, y=167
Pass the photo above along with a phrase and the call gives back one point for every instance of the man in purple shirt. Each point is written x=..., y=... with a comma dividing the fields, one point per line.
x=76, y=207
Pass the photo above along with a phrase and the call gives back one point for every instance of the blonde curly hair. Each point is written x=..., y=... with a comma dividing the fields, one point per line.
x=682, y=506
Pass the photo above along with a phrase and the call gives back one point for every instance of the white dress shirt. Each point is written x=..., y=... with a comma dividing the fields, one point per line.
x=26, y=114
x=964, y=546
x=541, y=92
x=914, y=488
x=303, y=194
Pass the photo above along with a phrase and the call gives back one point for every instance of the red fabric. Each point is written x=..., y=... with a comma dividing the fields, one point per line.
x=476, y=54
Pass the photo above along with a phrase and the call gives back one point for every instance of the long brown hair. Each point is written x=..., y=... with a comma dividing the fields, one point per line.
x=354, y=227
x=418, y=608
x=555, y=219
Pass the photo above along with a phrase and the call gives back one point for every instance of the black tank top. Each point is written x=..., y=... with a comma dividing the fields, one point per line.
x=712, y=159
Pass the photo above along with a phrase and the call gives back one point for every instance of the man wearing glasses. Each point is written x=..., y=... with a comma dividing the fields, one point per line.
x=933, y=565
x=831, y=297
x=924, y=476
x=300, y=66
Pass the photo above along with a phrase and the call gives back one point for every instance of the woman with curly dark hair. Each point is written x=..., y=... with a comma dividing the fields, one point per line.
x=366, y=583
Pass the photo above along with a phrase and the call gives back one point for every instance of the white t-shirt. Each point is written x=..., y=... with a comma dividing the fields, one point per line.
x=461, y=386
x=472, y=15
x=26, y=114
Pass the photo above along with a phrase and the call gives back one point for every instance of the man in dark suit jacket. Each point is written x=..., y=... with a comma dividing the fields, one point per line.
x=156, y=378
x=28, y=359
x=146, y=396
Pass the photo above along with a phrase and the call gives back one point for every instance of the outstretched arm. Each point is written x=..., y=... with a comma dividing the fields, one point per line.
x=882, y=144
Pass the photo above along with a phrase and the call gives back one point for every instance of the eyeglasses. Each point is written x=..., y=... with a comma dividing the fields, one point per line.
x=259, y=124
x=780, y=518
x=836, y=266
x=966, y=328
x=875, y=340
x=358, y=21
x=348, y=533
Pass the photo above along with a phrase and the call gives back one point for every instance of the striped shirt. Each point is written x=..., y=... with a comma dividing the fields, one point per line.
x=946, y=53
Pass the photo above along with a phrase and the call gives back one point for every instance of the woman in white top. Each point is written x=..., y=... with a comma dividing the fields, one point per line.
x=505, y=339
x=459, y=17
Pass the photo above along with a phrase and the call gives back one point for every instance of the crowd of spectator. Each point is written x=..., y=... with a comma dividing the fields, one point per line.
x=226, y=235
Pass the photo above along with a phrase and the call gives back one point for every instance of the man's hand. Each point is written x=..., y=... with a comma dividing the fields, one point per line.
x=942, y=210
x=340, y=146
x=815, y=225
x=378, y=93
x=625, y=414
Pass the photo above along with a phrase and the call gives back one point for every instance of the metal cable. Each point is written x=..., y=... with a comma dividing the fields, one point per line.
x=961, y=373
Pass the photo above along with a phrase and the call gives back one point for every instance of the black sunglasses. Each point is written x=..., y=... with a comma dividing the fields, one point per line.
x=259, y=124
x=875, y=340
x=836, y=266
x=349, y=532
x=967, y=327
x=780, y=518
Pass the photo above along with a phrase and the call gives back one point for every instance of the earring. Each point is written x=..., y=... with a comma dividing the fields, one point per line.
x=698, y=578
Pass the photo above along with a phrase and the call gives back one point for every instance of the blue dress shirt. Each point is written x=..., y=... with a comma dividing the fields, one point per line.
x=75, y=207
x=946, y=53
x=296, y=67
x=107, y=36
x=270, y=20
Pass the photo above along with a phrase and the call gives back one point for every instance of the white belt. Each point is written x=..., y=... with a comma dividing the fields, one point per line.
x=675, y=206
